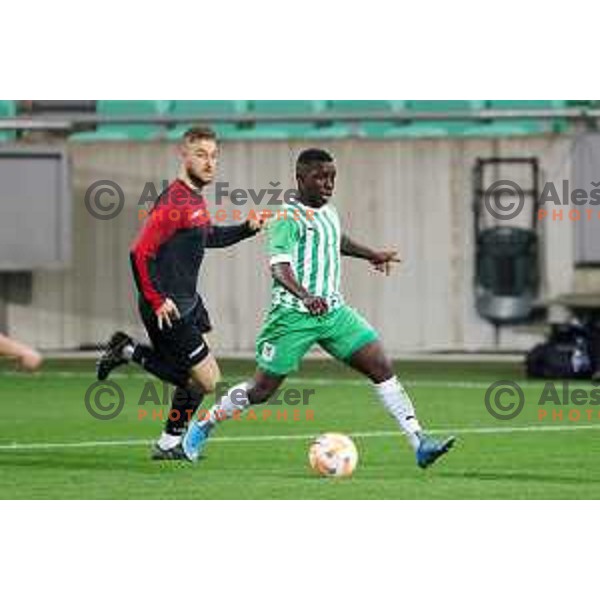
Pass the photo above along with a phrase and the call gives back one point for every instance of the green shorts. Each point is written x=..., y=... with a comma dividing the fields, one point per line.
x=287, y=335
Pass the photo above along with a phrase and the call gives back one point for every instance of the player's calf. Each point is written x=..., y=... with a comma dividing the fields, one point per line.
x=240, y=396
x=398, y=403
x=235, y=400
x=184, y=404
x=122, y=349
x=372, y=361
x=203, y=379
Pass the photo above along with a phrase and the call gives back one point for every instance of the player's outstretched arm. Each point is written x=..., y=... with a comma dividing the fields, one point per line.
x=228, y=235
x=284, y=274
x=27, y=358
x=382, y=260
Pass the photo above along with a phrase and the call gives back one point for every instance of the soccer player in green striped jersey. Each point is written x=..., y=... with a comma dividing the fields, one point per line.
x=305, y=246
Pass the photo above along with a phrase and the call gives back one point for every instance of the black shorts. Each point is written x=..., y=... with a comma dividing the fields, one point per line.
x=183, y=343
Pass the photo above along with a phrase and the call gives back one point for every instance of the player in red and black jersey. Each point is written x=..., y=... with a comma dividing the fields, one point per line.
x=166, y=258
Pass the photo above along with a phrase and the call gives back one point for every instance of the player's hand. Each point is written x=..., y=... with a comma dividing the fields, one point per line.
x=167, y=313
x=256, y=224
x=384, y=260
x=316, y=305
x=29, y=360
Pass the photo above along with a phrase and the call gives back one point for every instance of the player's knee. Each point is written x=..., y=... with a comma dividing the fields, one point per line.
x=206, y=376
x=215, y=379
x=381, y=369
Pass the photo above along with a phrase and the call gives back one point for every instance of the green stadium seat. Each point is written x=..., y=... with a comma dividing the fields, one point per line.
x=363, y=129
x=206, y=110
x=510, y=127
x=580, y=103
x=121, y=108
x=370, y=106
x=526, y=104
x=203, y=111
x=435, y=129
x=341, y=130
x=7, y=109
x=280, y=130
x=520, y=127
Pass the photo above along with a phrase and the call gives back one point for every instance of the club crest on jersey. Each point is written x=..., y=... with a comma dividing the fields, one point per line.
x=268, y=351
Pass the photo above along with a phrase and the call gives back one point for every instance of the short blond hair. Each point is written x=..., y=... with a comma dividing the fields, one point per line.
x=198, y=133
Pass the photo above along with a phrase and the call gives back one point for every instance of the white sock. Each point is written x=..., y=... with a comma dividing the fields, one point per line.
x=168, y=441
x=397, y=402
x=235, y=399
x=127, y=352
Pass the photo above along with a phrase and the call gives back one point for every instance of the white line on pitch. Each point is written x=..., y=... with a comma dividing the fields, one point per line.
x=306, y=436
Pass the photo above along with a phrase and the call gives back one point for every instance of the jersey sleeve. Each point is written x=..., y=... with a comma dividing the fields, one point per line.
x=282, y=238
x=227, y=235
x=159, y=227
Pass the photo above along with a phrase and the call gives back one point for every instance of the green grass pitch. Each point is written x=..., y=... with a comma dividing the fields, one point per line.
x=50, y=446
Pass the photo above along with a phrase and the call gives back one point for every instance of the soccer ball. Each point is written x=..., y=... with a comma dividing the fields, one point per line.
x=333, y=455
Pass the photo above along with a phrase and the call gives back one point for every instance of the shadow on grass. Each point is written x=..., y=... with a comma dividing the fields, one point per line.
x=521, y=476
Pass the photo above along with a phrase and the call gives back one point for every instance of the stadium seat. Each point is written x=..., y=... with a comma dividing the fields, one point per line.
x=121, y=108
x=363, y=129
x=580, y=103
x=7, y=109
x=204, y=110
x=433, y=129
x=519, y=127
x=526, y=104
x=281, y=130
